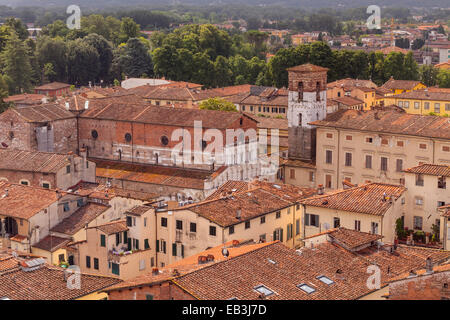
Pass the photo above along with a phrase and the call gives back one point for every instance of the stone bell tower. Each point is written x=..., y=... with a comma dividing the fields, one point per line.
x=307, y=103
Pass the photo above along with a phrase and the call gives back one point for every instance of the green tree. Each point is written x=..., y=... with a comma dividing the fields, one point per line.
x=53, y=51
x=222, y=72
x=128, y=29
x=428, y=75
x=83, y=62
x=16, y=65
x=3, y=93
x=135, y=59
x=218, y=104
x=105, y=52
x=410, y=67
x=49, y=73
x=443, y=78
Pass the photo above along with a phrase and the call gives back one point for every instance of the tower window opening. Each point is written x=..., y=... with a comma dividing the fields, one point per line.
x=300, y=91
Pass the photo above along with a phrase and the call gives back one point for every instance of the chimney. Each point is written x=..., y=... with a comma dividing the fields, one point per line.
x=83, y=154
x=155, y=271
x=320, y=189
x=429, y=265
x=238, y=214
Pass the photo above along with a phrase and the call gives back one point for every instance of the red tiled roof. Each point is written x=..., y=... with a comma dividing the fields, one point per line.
x=53, y=86
x=400, y=84
x=47, y=283
x=367, y=198
x=51, y=243
x=262, y=198
x=80, y=218
x=424, y=95
x=351, y=239
x=308, y=67
x=188, y=264
x=348, y=101
x=281, y=270
x=24, y=201
x=42, y=113
x=164, y=115
x=431, y=169
x=138, y=210
x=32, y=161
x=159, y=175
x=389, y=121
x=113, y=227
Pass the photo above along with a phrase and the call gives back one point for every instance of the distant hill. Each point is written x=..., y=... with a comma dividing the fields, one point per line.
x=284, y=3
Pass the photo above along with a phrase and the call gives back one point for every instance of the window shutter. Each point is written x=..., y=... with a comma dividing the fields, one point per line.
x=275, y=235
x=157, y=245
x=281, y=234
x=137, y=244
x=182, y=250
x=125, y=237
x=129, y=244
x=164, y=247
x=174, y=249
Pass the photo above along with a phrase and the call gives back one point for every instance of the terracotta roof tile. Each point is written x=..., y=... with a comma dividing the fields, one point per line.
x=424, y=95
x=189, y=264
x=164, y=115
x=113, y=227
x=307, y=68
x=43, y=113
x=47, y=283
x=281, y=270
x=348, y=101
x=53, y=86
x=158, y=175
x=431, y=169
x=367, y=198
x=80, y=218
x=51, y=243
x=400, y=84
x=389, y=121
x=32, y=161
x=24, y=201
x=138, y=210
x=351, y=239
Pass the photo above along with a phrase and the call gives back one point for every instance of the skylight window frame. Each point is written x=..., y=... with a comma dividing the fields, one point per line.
x=265, y=291
x=328, y=281
x=301, y=285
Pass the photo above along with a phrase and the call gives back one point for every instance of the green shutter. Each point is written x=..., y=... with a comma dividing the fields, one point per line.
x=146, y=245
x=117, y=238
x=125, y=237
x=102, y=240
x=129, y=244
x=182, y=251
x=174, y=249
x=137, y=244
x=281, y=234
x=157, y=245
x=275, y=235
